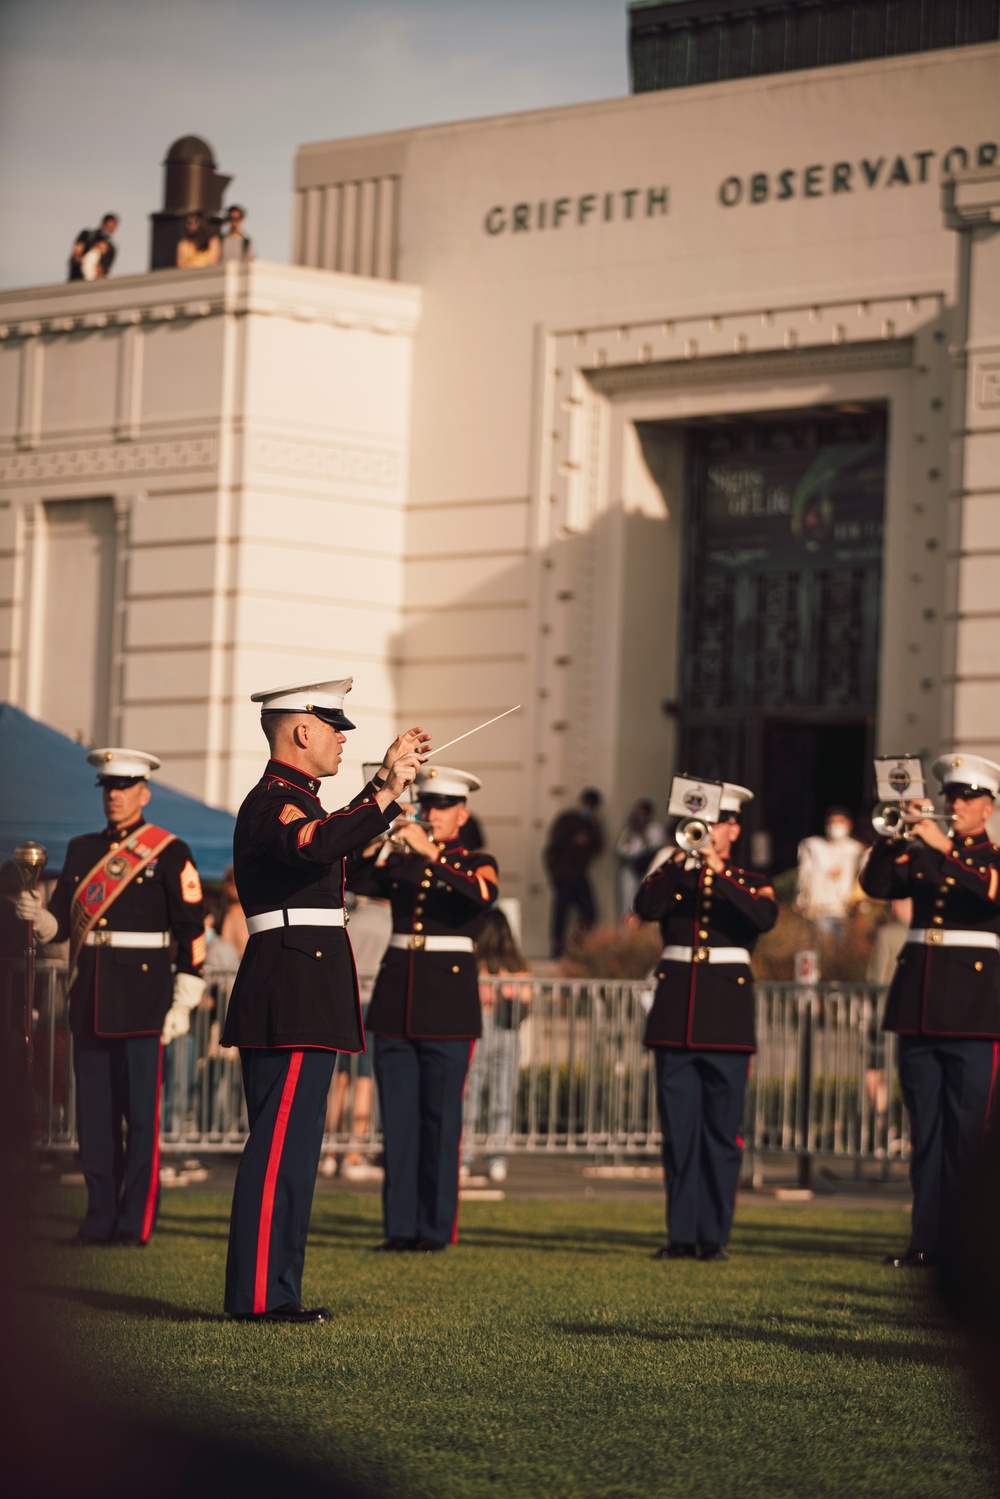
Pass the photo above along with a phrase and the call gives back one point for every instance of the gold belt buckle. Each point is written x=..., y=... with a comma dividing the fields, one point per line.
x=417, y=941
x=102, y=939
x=700, y=955
x=935, y=937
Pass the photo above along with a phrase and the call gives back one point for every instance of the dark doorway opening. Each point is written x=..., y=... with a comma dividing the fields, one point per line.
x=782, y=596
x=808, y=768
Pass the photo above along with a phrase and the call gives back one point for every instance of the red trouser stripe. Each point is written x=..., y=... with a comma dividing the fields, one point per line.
x=993, y=1083
x=154, y=1176
x=271, y=1181
x=458, y=1200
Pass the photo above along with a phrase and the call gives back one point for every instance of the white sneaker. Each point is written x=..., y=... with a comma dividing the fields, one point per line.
x=497, y=1170
x=328, y=1166
x=464, y=1172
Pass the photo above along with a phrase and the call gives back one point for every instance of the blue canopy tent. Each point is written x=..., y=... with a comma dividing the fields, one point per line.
x=48, y=792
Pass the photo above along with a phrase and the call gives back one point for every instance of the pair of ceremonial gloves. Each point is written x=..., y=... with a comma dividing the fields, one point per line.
x=188, y=987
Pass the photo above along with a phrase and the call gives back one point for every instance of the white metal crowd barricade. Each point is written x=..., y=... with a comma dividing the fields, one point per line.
x=560, y=1068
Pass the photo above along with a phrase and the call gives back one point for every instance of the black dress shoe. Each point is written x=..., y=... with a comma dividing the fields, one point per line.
x=128, y=1241
x=430, y=1246
x=292, y=1311
x=712, y=1252
x=910, y=1259
x=675, y=1252
x=80, y=1240
x=394, y=1246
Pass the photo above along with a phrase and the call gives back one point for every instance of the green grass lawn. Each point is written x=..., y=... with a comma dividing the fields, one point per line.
x=546, y=1355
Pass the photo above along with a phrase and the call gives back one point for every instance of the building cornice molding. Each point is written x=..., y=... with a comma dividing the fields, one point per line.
x=262, y=289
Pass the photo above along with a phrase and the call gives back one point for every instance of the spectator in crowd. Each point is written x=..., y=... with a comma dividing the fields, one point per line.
x=199, y=244
x=574, y=842
x=888, y=944
x=233, y=928
x=496, y=1057
x=236, y=243
x=828, y=872
x=640, y=838
x=889, y=941
x=371, y=928
x=94, y=251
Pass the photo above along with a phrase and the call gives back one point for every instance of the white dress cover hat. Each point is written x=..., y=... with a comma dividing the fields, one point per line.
x=441, y=780
x=968, y=770
x=324, y=699
x=135, y=764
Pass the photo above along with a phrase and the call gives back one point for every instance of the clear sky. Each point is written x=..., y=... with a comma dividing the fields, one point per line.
x=92, y=92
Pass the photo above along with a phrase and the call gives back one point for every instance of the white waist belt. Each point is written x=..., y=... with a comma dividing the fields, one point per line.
x=268, y=921
x=705, y=955
x=935, y=937
x=127, y=939
x=431, y=944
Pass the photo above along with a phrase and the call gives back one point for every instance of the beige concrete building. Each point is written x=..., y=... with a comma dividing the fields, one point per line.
x=672, y=418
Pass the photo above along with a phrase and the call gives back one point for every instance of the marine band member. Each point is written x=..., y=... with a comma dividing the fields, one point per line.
x=124, y=894
x=944, y=1000
x=701, y=1026
x=424, y=1015
x=295, y=1001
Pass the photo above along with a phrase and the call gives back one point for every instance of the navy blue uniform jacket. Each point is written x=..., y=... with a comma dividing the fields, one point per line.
x=942, y=991
x=127, y=991
x=297, y=985
x=701, y=1004
x=430, y=995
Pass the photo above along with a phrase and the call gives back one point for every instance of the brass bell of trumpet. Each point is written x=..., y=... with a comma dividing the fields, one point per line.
x=891, y=821
x=692, y=834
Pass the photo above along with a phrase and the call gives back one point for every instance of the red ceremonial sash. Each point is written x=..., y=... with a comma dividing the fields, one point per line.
x=102, y=885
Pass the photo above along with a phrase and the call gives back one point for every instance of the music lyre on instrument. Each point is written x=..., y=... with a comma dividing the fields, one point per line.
x=899, y=780
x=698, y=804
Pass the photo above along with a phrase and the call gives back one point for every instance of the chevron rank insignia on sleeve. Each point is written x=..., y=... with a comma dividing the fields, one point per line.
x=290, y=813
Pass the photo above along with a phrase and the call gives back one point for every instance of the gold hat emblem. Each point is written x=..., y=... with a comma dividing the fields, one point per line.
x=956, y=762
x=432, y=773
x=108, y=756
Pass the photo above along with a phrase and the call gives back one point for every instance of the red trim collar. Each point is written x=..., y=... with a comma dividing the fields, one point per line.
x=295, y=777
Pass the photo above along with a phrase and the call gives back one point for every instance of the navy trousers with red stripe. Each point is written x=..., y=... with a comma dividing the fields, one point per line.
x=699, y=1096
x=118, y=1083
x=420, y=1088
x=947, y=1088
x=286, y=1094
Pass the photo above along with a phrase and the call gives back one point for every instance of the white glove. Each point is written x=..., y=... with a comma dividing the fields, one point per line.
x=188, y=989
x=28, y=907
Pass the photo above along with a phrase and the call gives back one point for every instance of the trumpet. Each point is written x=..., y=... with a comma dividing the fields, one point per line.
x=391, y=840
x=890, y=820
x=692, y=834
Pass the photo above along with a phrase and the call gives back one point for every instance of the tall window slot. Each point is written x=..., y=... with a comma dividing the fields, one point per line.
x=78, y=618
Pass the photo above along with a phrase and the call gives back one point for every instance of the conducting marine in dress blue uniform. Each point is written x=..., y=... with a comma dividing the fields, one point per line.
x=701, y=1030
x=295, y=1001
x=424, y=1015
x=944, y=1000
x=123, y=895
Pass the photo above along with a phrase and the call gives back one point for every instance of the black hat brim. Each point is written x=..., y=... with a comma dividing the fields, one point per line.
x=334, y=718
x=965, y=791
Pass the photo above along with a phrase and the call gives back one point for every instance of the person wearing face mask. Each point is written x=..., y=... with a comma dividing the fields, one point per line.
x=944, y=1000
x=701, y=1025
x=425, y=1014
x=828, y=872
x=123, y=896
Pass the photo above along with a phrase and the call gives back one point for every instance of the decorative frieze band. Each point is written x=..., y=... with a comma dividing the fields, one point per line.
x=108, y=460
x=353, y=463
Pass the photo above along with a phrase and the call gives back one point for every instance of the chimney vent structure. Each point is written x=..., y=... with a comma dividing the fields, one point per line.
x=190, y=184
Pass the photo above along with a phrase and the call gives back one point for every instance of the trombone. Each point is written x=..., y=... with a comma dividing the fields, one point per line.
x=891, y=821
